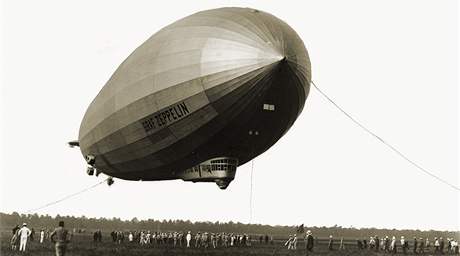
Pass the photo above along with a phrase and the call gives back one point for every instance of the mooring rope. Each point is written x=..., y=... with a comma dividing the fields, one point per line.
x=394, y=149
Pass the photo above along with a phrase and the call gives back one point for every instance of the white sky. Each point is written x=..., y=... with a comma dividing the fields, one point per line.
x=393, y=64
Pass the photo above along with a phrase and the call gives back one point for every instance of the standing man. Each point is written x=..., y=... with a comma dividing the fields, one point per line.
x=289, y=243
x=15, y=229
x=403, y=244
x=42, y=236
x=441, y=245
x=23, y=234
x=377, y=243
x=60, y=238
x=393, y=248
x=331, y=243
x=436, y=245
x=198, y=240
x=309, y=242
x=294, y=242
x=421, y=249
x=415, y=245
x=188, y=237
x=342, y=246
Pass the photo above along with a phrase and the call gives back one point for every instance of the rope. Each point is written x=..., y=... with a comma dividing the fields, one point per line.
x=66, y=197
x=386, y=143
x=250, y=195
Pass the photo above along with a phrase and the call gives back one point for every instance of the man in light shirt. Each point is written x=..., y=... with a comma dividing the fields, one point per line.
x=188, y=237
x=23, y=234
x=42, y=236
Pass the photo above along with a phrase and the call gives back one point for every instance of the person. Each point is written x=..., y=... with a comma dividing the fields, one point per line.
x=15, y=229
x=42, y=236
x=387, y=244
x=14, y=241
x=23, y=234
x=188, y=238
x=198, y=240
x=214, y=240
x=289, y=243
x=130, y=237
x=175, y=236
x=204, y=240
x=403, y=245
x=294, y=242
x=342, y=246
x=421, y=248
x=455, y=246
x=359, y=244
x=371, y=242
x=436, y=245
x=331, y=243
x=309, y=241
x=60, y=239
x=181, y=238
x=377, y=243
x=32, y=234
x=415, y=245
x=441, y=245
x=95, y=234
x=393, y=245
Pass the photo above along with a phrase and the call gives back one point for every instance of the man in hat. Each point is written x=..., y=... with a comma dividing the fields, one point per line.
x=60, y=238
x=23, y=234
x=330, y=245
x=404, y=244
x=188, y=238
x=309, y=241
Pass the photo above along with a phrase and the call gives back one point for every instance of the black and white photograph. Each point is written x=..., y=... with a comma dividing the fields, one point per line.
x=229, y=127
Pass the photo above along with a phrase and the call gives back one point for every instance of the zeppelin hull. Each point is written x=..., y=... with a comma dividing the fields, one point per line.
x=225, y=82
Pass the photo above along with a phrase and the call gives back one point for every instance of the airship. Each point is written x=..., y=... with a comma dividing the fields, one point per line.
x=200, y=97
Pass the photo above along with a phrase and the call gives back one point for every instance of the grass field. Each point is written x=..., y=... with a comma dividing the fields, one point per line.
x=82, y=244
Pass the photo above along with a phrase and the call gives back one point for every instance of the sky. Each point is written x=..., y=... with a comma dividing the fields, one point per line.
x=392, y=64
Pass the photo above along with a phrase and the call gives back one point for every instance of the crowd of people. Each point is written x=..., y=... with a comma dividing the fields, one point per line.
x=416, y=245
x=60, y=237
x=21, y=235
x=182, y=239
x=385, y=244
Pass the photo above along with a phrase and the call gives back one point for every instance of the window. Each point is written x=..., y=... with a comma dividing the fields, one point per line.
x=269, y=107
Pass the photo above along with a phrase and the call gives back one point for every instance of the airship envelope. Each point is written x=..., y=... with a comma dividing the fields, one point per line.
x=199, y=98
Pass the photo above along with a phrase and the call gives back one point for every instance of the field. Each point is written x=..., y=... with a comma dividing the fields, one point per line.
x=82, y=244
